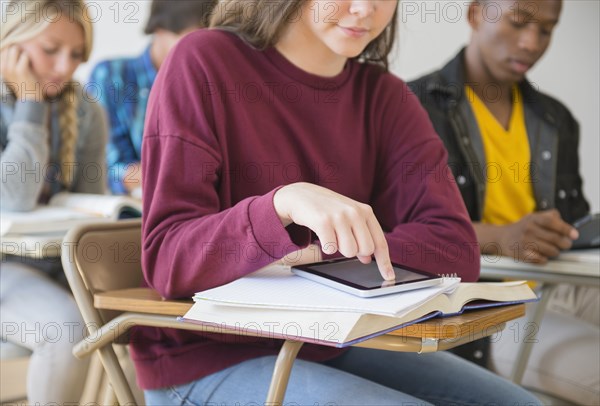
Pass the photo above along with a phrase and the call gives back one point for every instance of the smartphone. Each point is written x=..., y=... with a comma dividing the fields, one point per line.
x=352, y=276
x=589, y=232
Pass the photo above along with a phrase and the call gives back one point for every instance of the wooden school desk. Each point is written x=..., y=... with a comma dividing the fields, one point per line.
x=429, y=336
x=106, y=288
x=40, y=246
x=573, y=267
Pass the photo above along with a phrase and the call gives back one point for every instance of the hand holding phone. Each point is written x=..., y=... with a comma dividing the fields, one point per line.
x=536, y=237
x=589, y=232
x=16, y=70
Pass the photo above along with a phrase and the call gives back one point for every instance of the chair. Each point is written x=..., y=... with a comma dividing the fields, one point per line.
x=105, y=257
x=14, y=361
x=103, y=267
x=101, y=258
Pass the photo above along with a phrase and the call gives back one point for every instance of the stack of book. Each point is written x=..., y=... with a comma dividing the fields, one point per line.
x=39, y=232
x=275, y=303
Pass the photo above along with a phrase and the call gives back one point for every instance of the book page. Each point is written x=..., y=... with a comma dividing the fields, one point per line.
x=275, y=323
x=276, y=287
x=508, y=292
x=591, y=256
x=99, y=205
x=42, y=245
x=40, y=220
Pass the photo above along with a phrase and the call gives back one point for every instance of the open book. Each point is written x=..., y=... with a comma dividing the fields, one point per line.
x=275, y=303
x=65, y=210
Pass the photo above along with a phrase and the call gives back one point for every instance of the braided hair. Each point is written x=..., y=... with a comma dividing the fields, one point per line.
x=19, y=27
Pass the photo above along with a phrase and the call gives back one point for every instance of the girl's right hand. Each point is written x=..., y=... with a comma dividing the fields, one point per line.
x=15, y=69
x=341, y=224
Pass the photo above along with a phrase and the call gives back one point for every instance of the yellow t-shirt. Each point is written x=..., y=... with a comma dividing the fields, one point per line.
x=509, y=191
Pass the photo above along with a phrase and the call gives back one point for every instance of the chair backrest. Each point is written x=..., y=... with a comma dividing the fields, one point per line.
x=97, y=257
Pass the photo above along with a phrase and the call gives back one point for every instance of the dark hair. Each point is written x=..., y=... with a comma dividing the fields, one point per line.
x=179, y=15
x=261, y=22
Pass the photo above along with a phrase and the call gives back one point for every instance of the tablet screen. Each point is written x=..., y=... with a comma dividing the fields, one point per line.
x=354, y=273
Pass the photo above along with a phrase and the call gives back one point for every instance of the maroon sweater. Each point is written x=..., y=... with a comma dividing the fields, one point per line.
x=226, y=126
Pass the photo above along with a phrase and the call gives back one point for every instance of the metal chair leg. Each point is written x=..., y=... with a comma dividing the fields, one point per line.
x=281, y=372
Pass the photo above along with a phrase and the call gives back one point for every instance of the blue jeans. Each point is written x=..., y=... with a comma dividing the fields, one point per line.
x=359, y=377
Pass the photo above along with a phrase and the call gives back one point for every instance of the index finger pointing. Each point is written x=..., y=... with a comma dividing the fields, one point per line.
x=381, y=252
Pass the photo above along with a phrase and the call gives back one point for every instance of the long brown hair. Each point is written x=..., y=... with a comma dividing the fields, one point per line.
x=177, y=16
x=261, y=23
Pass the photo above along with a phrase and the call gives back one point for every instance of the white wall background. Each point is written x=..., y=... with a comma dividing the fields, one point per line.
x=431, y=32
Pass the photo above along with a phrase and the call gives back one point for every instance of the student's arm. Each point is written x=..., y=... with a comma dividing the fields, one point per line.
x=91, y=151
x=534, y=238
x=27, y=151
x=542, y=235
x=193, y=238
x=25, y=156
x=415, y=197
x=121, y=156
x=192, y=243
x=132, y=179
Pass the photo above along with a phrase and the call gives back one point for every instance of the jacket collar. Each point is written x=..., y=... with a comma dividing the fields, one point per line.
x=541, y=128
x=453, y=79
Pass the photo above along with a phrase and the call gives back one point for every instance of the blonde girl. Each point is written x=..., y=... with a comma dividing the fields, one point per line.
x=52, y=138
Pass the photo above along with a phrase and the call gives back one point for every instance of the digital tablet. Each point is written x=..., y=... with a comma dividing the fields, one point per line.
x=352, y=276
x=589, y=232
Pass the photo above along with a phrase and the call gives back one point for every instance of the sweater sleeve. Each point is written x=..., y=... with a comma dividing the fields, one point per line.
x=417, y=200
x=24, y=157
x=194, y=236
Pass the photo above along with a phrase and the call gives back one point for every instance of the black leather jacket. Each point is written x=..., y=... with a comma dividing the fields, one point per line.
x=553, y=138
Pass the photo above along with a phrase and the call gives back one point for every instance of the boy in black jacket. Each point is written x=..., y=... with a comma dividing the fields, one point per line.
x=513, y=153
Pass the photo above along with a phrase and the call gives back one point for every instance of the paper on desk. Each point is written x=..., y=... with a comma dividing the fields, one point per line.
x=276, y=287
x=591, y=255
x=42, y=245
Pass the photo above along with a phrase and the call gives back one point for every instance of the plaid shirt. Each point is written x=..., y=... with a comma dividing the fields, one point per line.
x=123, y=87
